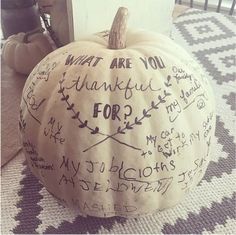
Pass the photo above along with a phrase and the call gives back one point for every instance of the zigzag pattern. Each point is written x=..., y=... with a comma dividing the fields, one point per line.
x=230, y=100
x=30, y=196
x=207, y=218
x=216, y=169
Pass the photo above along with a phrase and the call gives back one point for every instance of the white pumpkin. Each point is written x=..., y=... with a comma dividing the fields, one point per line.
x=23, y=51
x=118, y=132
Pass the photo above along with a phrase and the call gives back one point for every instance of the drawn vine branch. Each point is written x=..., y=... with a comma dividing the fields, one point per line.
x=137, y=120
x=85, y=123
x=120, y=130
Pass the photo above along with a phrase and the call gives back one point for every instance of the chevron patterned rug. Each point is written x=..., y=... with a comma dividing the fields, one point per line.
x=27, y=207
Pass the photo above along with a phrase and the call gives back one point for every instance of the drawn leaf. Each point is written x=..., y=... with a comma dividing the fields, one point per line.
x=84, y=124
x=76, y=116
x=166, y=93
x=95, y=131
x=154, y=106
x=167, y=84
x=145, y=113
x=70, y=106
x=119, y=130
x=61, y=81
x=128, y=126
x=65, y=98
x=137, y=122
x=161, y=99
x=61, y=90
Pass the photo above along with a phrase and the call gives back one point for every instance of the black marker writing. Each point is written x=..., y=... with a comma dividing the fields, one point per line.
x=90, y=61
x=127, y=85
x=121, y=63
x=53, y=131
x=153, y=62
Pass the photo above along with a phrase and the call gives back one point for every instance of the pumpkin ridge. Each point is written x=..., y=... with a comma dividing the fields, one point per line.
x=8, y=50
x=23, y=56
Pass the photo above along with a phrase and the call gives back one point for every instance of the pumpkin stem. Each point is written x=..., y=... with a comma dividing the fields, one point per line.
x=117, y=35
x=27, y=34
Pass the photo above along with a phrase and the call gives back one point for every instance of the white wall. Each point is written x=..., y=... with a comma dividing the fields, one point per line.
x=91, y=16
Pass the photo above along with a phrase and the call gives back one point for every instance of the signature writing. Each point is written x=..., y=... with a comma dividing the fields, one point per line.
x=174, y=108
x=36, y=161
x=187, y=177
x=172, y=142
x=44, y=70
x=130, y=179
x=32, y=102
x=53, y=130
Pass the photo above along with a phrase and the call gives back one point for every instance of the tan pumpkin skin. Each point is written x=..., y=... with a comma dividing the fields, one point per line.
x=138, y=145
x=24, y=56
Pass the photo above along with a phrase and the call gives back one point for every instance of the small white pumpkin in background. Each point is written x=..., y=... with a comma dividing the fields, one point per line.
x=59, y=21
x=23, y=51
x=118, y=127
